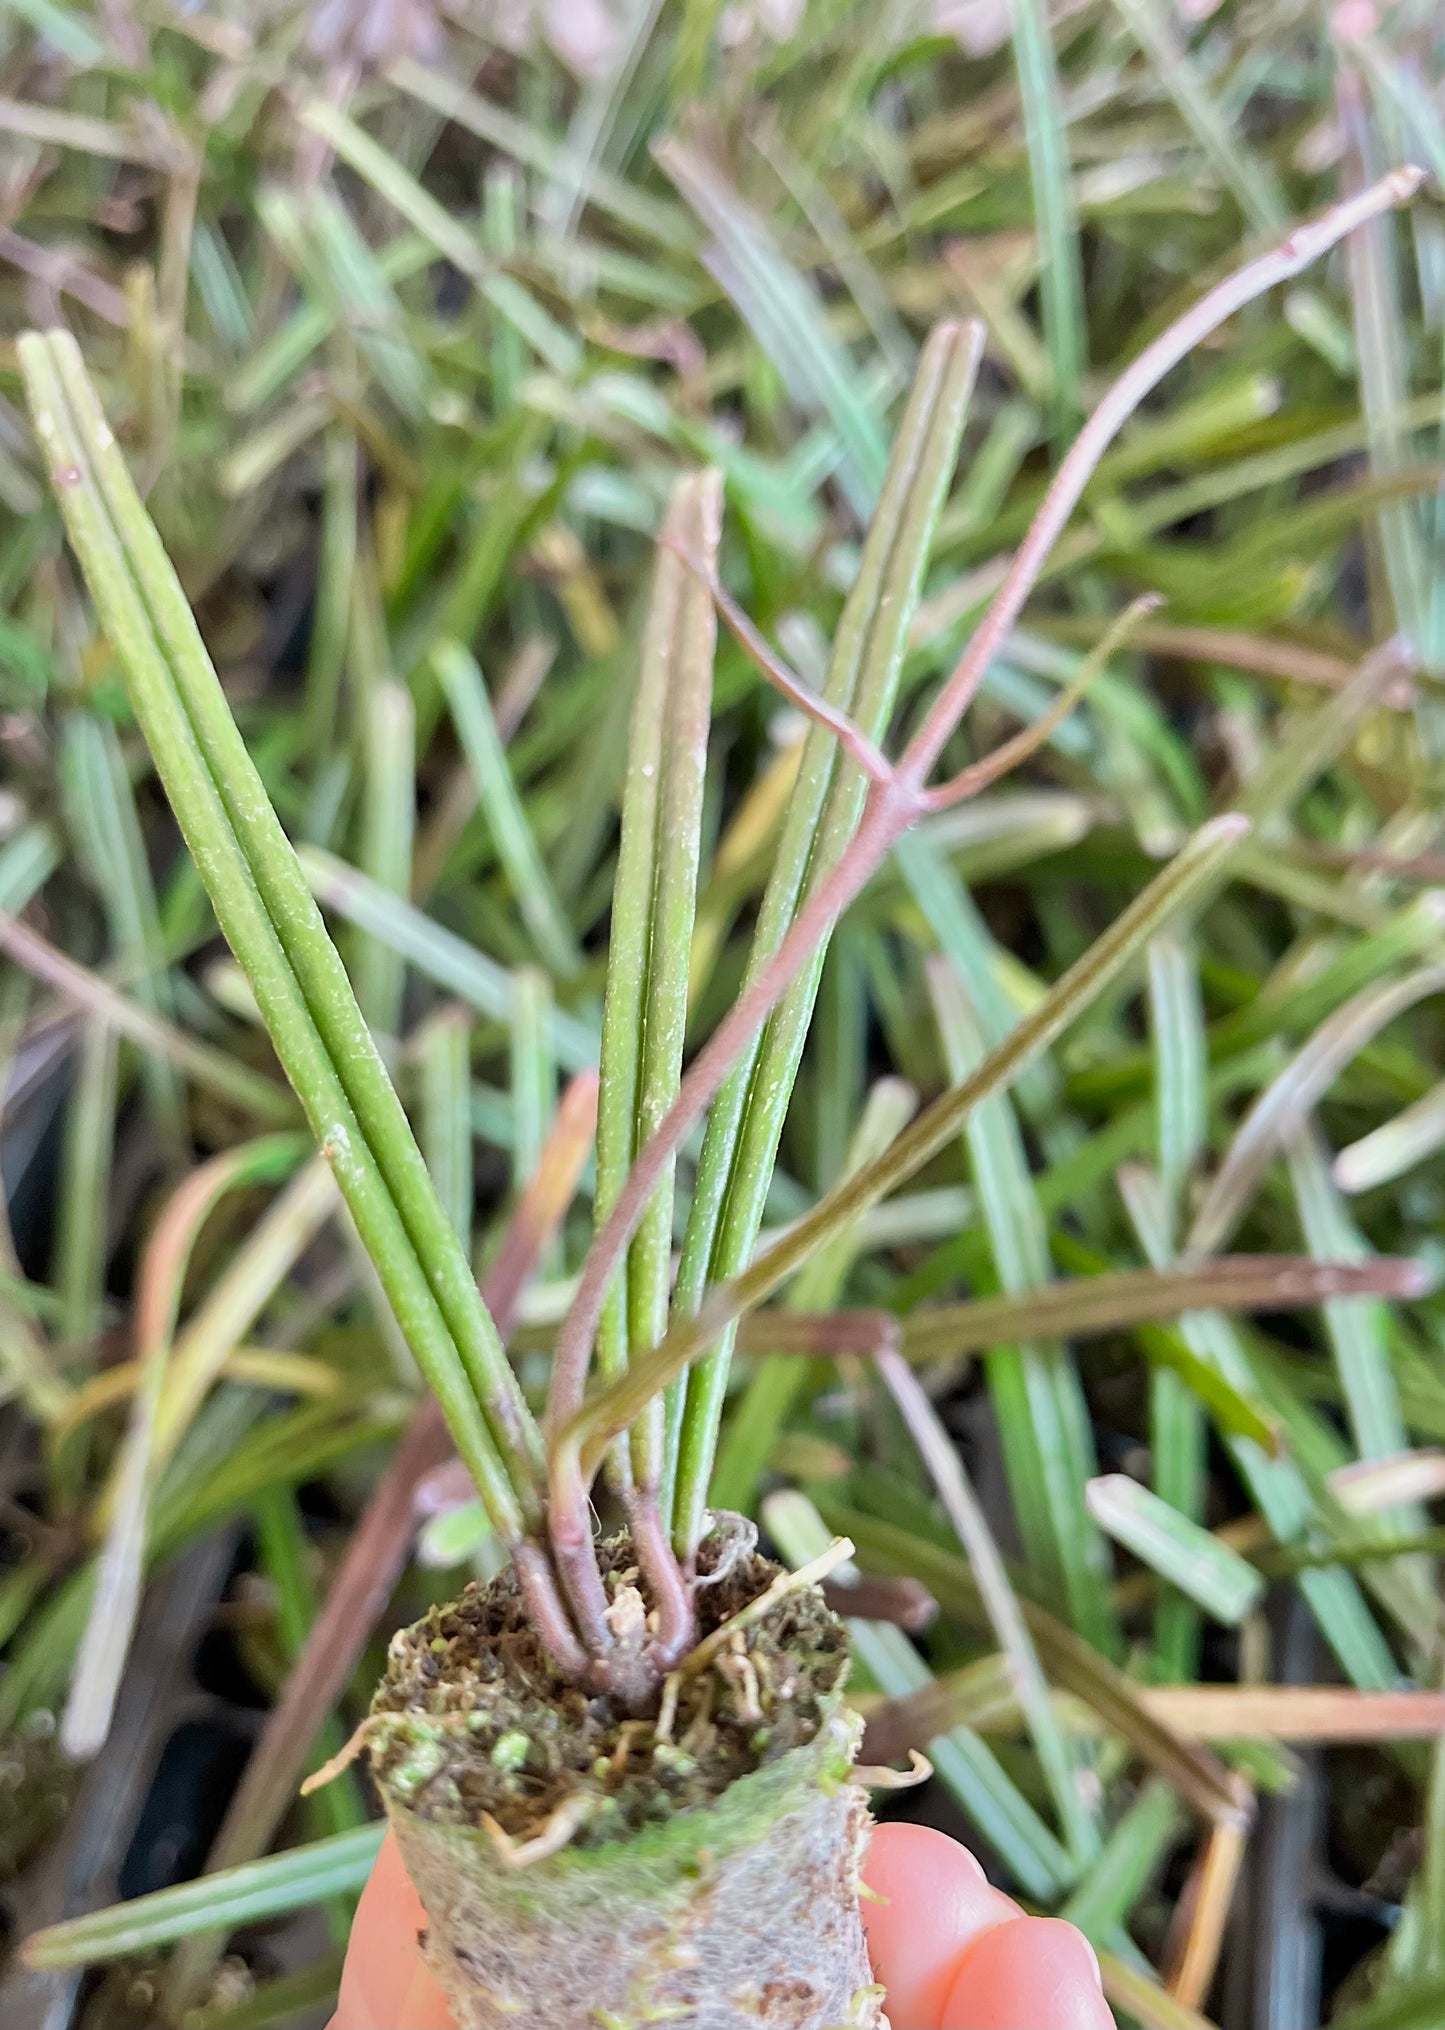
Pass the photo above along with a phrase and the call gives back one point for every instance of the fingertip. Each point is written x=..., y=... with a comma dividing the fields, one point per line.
x=936, y=1901
x=424, y=2006
x=1038, y=1974
x=952, y=1952
x=903, y=1857
x=385, y=1984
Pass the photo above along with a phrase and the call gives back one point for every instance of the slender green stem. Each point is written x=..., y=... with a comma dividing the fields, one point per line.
x=745, y=1125
x=318, y=1033
x=581, y=1446
x=645, y=1012
x=285, y=897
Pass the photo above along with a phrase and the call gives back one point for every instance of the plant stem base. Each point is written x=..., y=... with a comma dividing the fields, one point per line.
x=722, y=1911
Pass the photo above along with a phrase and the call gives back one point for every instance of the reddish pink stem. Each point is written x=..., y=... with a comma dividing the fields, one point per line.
x=896, y=801
x=855, y=742
x=1295, y=253
x=667, y=1583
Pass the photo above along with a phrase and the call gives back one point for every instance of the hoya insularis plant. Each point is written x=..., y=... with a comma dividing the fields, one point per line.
x=536, y=1493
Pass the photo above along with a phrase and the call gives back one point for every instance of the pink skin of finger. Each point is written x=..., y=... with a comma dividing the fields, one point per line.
x=1039, y=1970
x=952, y=1952
x=385, y=1984
x=927, y=1900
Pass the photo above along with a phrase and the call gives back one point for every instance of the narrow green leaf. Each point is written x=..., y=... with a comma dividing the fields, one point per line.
x=280, y=357
x=1356, y=1326
x=1037, y=1400
x=534, y=1072
x=865, y=284
x=1358, y=1330
x=785, y=317
x=320, y=242
x=335, y=586
x=64, y=30
x=1294, y=1005
x=1382, y=347
x=1217, y=1579
x=592, y=130
x=236, y=1896
x=1276, y=1485
x=1176, y=1420
x=1061, y=272
x=447, y=235
x=964, y=939
x=1128, y=1862
x=1287, y=1102
x=503, y=212
x=471, y=709
x=528, y=143
x=1237, y=165
x=1176, y=1021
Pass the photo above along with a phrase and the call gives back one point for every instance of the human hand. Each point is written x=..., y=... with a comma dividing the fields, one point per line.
x=952, y=1952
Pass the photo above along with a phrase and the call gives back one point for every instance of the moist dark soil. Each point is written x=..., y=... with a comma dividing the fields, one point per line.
x=472, y=1717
